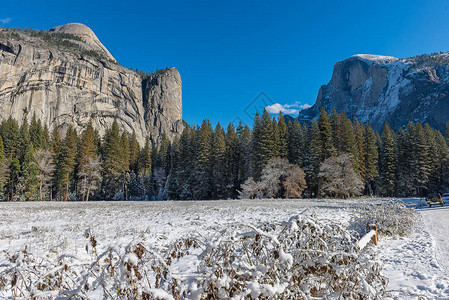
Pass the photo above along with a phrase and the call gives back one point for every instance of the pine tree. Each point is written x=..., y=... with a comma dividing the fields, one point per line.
x=283, y=137
x=14, y=172
x=256, y=165
x=219, y=163
x=388, y=161
x=36, y=133
x=276, y=140
x=265, y=147
x=28, y=181
x=145, y=158
x=11, y=138
x=133, y=152
x=86, y=155
x=46, y=140
x=4, y=170
x=295, y=143
x=433, y=159
x=25, y=138
x=244, y=136
x=370, y=158
x=203, y=167
x=324, y=125
x=313, y=157
x=65, y=164
x=185, y=169
x=359, y=132
x=232, y=169
x=115, y=162
x=447, y=133
x=348, y=142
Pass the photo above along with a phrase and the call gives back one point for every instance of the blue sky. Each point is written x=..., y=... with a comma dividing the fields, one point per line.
x=228, y=52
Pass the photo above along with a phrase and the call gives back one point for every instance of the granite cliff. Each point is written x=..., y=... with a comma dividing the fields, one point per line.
x=378, y=89
x=66, y=77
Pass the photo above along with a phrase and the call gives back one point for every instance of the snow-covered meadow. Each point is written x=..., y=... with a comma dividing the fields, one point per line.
x=416, y=265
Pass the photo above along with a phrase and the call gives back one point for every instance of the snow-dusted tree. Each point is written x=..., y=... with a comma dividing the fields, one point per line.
x=272, y=177
x=280, y=179
x=250, y=189
x=45, y=163
x=339, y=177
x=295, y=182
x=90, y=177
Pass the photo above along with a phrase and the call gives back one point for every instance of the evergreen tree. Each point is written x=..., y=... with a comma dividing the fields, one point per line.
x=36, y=133
x=256, y=165
x=313, y=157
x=14, y=172
x=65, y=164
x=275, y=152
x=324, y=125
x=388, y=161
x=233, y=158
x=219, y=163
x=86, y=155
x=244, y=136
x=283, y=137
x=348, y=141
x=133, y=152
x=11, y=138
x=295, y=143
x=145, y=158
x=203, y=167
x=46, y=138
x=370, y=159
x=28, y=181
x=359, y=132
x=115, y=163
x=447, y=133
x=4, y=170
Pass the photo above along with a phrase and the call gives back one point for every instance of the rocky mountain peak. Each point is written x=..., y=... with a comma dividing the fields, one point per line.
x=84, y=32
x=378, y=89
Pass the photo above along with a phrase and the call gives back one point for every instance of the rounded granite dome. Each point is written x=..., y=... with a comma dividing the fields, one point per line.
x=86, y=34
x=75, y=29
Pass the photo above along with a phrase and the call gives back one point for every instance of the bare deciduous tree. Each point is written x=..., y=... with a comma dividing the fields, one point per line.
x=279, y=179
x=90, y=177
x=339, y=176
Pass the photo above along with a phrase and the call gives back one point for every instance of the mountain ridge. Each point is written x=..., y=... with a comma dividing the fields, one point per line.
x=65, y=81
x=378, y=89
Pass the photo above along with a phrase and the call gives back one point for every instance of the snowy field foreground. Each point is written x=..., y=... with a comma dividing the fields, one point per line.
x=416, y=265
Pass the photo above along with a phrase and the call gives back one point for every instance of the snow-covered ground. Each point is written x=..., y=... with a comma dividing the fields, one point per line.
x=417, y=265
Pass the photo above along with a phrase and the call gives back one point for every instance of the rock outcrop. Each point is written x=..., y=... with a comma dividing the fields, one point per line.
x=90, y=40
x=65, y=87
x=378, y=89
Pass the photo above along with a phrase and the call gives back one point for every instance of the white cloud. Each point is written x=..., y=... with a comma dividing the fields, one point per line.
x=5, y=20
x=305, y=106
x=287, y=109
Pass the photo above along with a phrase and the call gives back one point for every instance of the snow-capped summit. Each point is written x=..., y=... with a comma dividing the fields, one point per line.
x=377, y=58
x=378, y=89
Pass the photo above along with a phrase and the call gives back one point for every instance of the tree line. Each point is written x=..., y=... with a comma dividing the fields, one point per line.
x=330, y=156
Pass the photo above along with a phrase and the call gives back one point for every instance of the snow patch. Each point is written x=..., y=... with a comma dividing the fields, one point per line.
x=380, y=59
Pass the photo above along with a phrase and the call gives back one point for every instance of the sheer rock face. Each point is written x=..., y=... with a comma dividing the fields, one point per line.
x=162, y=100
x=378, y=89
x=64, y=88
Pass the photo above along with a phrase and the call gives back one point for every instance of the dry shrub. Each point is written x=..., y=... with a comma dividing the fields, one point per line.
x=392, y=217
x=299, y=259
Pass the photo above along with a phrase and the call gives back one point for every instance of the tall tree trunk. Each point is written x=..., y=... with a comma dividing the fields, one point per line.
x=66, y=190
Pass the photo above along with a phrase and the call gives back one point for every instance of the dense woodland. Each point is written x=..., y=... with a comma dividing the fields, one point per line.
x=218, y=163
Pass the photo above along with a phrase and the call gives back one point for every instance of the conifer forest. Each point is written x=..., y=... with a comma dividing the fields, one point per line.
x=274, y=158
